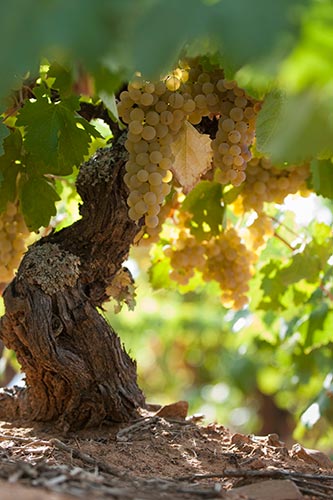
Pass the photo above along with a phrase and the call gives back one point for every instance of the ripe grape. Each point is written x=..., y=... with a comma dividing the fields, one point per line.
x=267, y=183
x=230, y=263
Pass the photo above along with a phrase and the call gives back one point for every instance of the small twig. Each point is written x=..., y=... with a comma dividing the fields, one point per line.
x=4, y=437
x=305, y=482
x=326, y=292
x=137, y=425
x=281, y=224
x=308, y=491
x=74, y=452
x=11, y=113
x=274, y=473
x=285, y=242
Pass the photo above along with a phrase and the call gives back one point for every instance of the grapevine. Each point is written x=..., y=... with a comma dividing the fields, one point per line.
x=155, y=113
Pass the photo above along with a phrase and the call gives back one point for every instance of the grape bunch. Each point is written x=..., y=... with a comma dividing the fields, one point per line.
x=186, y=255
x=236, y=112
x=155, y=113
x=223, y=258
x=267, y=183
x=13, y=236
x=259, y=232
x=149, y=236
x=230, y=263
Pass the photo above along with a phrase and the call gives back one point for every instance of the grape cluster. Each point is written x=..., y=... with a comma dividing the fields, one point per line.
x=223, y=258
x=13, y=236
x=167, y=211
x=229, y=262
x=259, y=232
x=267, y=183
x=215, y=96
x=186, y=255
x=155, y=114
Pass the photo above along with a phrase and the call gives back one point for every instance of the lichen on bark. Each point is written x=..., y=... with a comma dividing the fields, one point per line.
x=51, y=268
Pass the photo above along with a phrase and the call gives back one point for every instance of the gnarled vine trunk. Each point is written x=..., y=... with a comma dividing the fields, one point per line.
x=77, y=372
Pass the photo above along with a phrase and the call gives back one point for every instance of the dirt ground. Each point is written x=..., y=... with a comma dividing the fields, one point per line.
x=159, y=456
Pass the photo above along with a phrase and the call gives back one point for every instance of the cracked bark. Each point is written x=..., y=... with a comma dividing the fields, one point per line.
x=77, y=372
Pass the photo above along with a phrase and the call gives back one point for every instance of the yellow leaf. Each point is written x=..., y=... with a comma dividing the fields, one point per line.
x=193, y=156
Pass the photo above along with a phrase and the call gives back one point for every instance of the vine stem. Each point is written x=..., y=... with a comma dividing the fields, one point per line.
x=326, y=292
x=275, y=219
x=284, y=241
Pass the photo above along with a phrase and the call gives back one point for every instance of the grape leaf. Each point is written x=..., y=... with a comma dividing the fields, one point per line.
x=54, y=135
x=159, y=273
x=193, y=156
x=278, y=276
x=241, y=37
x=76, y=29
x=63, y=78
x=187, y=18
x=301, y=127
x=4, y=132
x=111, y=105
x=10, y=166
x=37, y=198
x=42, y=129
x=317, y=330
x=322, y=177
x=204, y=203
x=268, y=118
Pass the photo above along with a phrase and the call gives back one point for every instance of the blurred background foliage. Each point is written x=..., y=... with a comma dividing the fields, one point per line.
x=248, y=370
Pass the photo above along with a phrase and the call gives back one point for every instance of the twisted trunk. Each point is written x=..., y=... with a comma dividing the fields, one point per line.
x=77, y=372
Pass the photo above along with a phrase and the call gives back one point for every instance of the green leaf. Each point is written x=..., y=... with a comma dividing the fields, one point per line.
x=10, y=166
x=82, y=30
x=109, y=80
x=4, y=132
x=204, y=203
x=42, y=122
x=302, y=268
x=322, y=177
x=238, y=37
x=111, y=105
x=231, y=195
x=37, y=198
x=186, y=18
x=248, y=31
x=159, y=274
x=63, y=78
x=300, y=127
x=56, y=137
x=317, y=331
x=268, y=119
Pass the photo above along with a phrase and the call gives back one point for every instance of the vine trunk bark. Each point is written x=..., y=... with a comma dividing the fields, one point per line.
x=77, y=372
